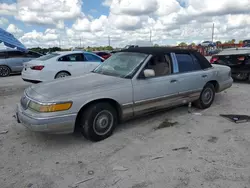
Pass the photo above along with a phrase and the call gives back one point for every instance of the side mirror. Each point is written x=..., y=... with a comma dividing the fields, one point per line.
x=148, y=73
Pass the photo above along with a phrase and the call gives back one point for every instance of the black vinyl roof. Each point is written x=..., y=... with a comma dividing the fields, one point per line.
x=157, y=50
x=166, y=50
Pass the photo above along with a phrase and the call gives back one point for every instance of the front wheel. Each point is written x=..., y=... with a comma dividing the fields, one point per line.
x=206, y=97
x=98, y=121
x=4, y=71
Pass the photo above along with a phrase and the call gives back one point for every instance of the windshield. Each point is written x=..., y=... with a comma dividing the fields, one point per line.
x=48, y=56
x=122, y=64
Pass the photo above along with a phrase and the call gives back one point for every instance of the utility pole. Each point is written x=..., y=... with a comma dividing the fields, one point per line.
x=150, y=35
x=80, y=42
x=109, y=40
x=213, y=33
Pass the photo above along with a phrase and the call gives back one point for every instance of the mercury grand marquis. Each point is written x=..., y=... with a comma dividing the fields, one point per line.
x=132, y=82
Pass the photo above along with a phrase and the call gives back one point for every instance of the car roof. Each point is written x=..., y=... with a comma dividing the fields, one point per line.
x=72, y=52
x=156, y=50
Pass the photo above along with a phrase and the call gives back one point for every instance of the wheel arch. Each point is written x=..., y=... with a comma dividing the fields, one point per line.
x=62, y=71
x=215, y=84
x=113, y=102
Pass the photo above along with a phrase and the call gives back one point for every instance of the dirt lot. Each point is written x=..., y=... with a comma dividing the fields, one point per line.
x=213, y=151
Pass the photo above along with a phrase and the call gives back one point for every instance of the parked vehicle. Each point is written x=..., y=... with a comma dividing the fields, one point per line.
x=238, y=59
x=104, y=55
x=246, y=43
x=11, y=61
x=132, y=82
x=60, y=64
x=208, y=44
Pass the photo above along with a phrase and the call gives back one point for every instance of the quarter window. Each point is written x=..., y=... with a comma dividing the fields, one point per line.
x=91, y=57
x=187, y=63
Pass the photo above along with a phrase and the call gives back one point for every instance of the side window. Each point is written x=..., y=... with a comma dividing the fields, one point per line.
x=161, y=64
x=72, y=57
x=91, y=57
x=32, y=54
x=3, y=55
x=187, y=63
x=16, y=54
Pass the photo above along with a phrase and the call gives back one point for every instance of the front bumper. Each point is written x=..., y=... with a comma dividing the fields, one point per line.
x=55, y=125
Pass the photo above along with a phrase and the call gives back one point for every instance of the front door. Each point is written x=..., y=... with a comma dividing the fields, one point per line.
x=159, y=91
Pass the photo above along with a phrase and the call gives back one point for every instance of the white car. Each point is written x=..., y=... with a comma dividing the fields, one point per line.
x=58, y=65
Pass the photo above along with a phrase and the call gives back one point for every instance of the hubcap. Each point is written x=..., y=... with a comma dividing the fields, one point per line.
x=103, y=122
x=62, y=75
x=207, y=96
x=4, y=71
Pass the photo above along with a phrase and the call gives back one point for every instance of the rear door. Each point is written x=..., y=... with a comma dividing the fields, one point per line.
x=15, y=60
x=191, y=76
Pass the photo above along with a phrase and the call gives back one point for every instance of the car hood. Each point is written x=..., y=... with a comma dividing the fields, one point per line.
x=69, y=86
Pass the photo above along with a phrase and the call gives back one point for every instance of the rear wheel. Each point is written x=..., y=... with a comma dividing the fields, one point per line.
x=62, y=74
x=206, y=97
x=4, y=71
x=98, y=121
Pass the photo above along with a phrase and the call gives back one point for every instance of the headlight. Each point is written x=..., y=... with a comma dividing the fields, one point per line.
x=55, y=107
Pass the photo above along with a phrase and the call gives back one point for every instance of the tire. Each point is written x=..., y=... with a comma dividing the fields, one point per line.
x=62, y=74
x=92, y=119
x=206, y=97
x=4, y=71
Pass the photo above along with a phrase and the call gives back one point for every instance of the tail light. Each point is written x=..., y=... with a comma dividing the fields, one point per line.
x=213, y=59
x=39, y=67
x=241, y=58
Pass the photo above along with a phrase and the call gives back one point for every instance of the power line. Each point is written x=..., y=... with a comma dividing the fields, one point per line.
x=213, y=33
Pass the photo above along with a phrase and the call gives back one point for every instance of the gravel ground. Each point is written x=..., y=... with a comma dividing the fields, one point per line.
x=214, y=152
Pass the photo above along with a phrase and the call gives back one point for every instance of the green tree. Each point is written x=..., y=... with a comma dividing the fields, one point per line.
x=182, y=44
x=218, y=42
x=241, y=42
x=193, y=44
x=156, y=45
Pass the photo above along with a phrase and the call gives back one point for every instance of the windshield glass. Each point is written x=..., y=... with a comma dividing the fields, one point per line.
x=122, y=64
x=48, y=56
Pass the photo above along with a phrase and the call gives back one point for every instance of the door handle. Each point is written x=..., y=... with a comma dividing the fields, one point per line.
x=173, y=81
x=70, y=65
x=204, y=76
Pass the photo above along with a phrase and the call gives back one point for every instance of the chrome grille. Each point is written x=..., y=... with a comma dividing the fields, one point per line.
x=24, y=102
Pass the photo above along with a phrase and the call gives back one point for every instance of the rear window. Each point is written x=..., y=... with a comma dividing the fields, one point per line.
x=48, y=56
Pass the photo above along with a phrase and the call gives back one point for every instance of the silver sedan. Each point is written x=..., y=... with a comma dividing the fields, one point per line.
x=132, y=82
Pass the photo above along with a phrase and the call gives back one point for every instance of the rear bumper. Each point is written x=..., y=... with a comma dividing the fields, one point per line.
x=225, y=85
x=55, y=125
x=32, y=81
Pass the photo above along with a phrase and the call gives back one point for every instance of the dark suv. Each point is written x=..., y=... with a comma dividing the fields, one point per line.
x=11, y=61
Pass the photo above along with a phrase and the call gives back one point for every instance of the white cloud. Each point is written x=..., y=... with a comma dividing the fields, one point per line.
x=50, y=12
x=7, y=9
x=14, y=29
x=107, y=3
x=129, y=20
x=131, y=7
x=3, y=21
